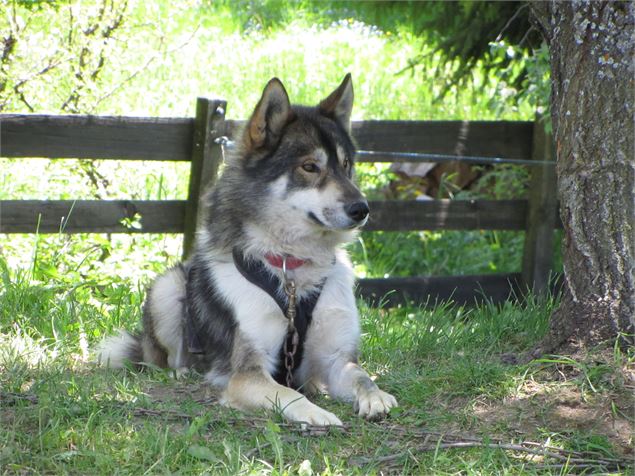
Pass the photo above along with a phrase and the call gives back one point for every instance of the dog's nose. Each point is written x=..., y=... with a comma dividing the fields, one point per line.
x=358, y=211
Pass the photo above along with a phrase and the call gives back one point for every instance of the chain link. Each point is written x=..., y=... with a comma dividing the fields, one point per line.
x=292, y=332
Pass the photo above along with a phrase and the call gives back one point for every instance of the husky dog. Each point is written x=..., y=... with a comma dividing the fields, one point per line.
x=267, y=250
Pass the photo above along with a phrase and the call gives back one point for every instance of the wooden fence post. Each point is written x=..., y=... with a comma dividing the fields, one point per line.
x=541, y=215
x=207, y=156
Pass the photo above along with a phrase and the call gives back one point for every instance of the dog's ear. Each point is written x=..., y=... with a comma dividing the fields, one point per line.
x=272, y=113
x=339, y=104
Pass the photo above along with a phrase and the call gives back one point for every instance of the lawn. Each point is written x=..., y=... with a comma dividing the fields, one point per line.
x=463, y=407
x=468, y=404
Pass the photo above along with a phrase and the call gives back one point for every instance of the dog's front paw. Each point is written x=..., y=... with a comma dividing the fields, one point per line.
x=374, y=404
x=307, y=412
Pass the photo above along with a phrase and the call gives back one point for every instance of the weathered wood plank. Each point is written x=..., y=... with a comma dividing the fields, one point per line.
x=91, y=216
x=464, y=290
x=207, y=156
x=102, y=137
x=20, y=216
x=479, y=138
x=96, y=137
x=397, y=215
x=537, y=263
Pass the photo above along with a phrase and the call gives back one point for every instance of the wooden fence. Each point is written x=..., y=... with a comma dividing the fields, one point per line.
x=197, y=140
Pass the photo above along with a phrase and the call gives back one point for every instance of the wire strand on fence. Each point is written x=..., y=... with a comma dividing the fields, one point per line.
x=376, y=156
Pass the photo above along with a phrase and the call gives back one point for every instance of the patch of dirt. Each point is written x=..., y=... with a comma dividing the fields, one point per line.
x=177, y=391
x=7, y=416
x=18, y=415
x=560, y=400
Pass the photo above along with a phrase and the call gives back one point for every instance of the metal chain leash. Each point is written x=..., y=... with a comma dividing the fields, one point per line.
x=292, y=332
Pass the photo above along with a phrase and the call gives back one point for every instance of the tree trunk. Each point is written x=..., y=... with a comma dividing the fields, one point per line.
x=592, y=49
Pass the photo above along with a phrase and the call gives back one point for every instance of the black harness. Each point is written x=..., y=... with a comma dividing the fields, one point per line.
x=256, y=273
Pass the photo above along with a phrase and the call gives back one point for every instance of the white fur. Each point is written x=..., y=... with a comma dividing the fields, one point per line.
x=289, y=230
x=321, y=157
x=113, y=350
x=341, y=155
x=278, y=187
x=325, y=203
x=334, y=331
x=258, y=316
x=217, y=379
x=165, y=300
x=331, y=347
x=332, y=337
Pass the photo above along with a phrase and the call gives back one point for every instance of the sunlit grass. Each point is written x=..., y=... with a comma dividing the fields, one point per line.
x=60, y=414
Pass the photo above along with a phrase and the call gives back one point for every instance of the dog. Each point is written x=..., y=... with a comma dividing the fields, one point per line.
x=264, y=307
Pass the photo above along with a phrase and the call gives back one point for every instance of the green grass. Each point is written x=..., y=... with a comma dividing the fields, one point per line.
x=62, y=415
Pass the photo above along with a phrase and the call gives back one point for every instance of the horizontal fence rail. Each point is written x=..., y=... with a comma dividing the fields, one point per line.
x=465, y=138
x=462, y=290
x=92, y=216
x=167, y=216
x=96, y=137
x=147, y=138
x=402, y=215
x=478, y=138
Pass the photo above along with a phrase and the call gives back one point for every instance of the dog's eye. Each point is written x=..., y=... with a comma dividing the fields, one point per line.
x=310, y=167
x=347, y=164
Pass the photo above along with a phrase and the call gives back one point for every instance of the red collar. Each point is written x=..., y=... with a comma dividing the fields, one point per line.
x=277, y=260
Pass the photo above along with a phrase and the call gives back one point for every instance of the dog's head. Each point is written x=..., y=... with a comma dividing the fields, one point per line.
x=302, y=159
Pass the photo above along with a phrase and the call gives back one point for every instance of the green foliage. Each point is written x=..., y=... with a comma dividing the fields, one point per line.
x=481, y=42
x=436, y=253
x=155, y=44
x=67, y=43
x=36, y=4
x=501, y=182
x=387, y=16
x=523, y=77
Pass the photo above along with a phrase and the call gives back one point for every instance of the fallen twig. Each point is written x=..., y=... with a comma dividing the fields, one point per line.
x=430, y=441
x=257, y=449
x=255, y=422
x=570, y=459
x=10, y=398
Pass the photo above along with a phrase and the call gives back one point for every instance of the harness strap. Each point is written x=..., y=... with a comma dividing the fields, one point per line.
x=256, y=273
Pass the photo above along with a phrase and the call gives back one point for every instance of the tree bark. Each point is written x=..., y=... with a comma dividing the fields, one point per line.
x=592, y=49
